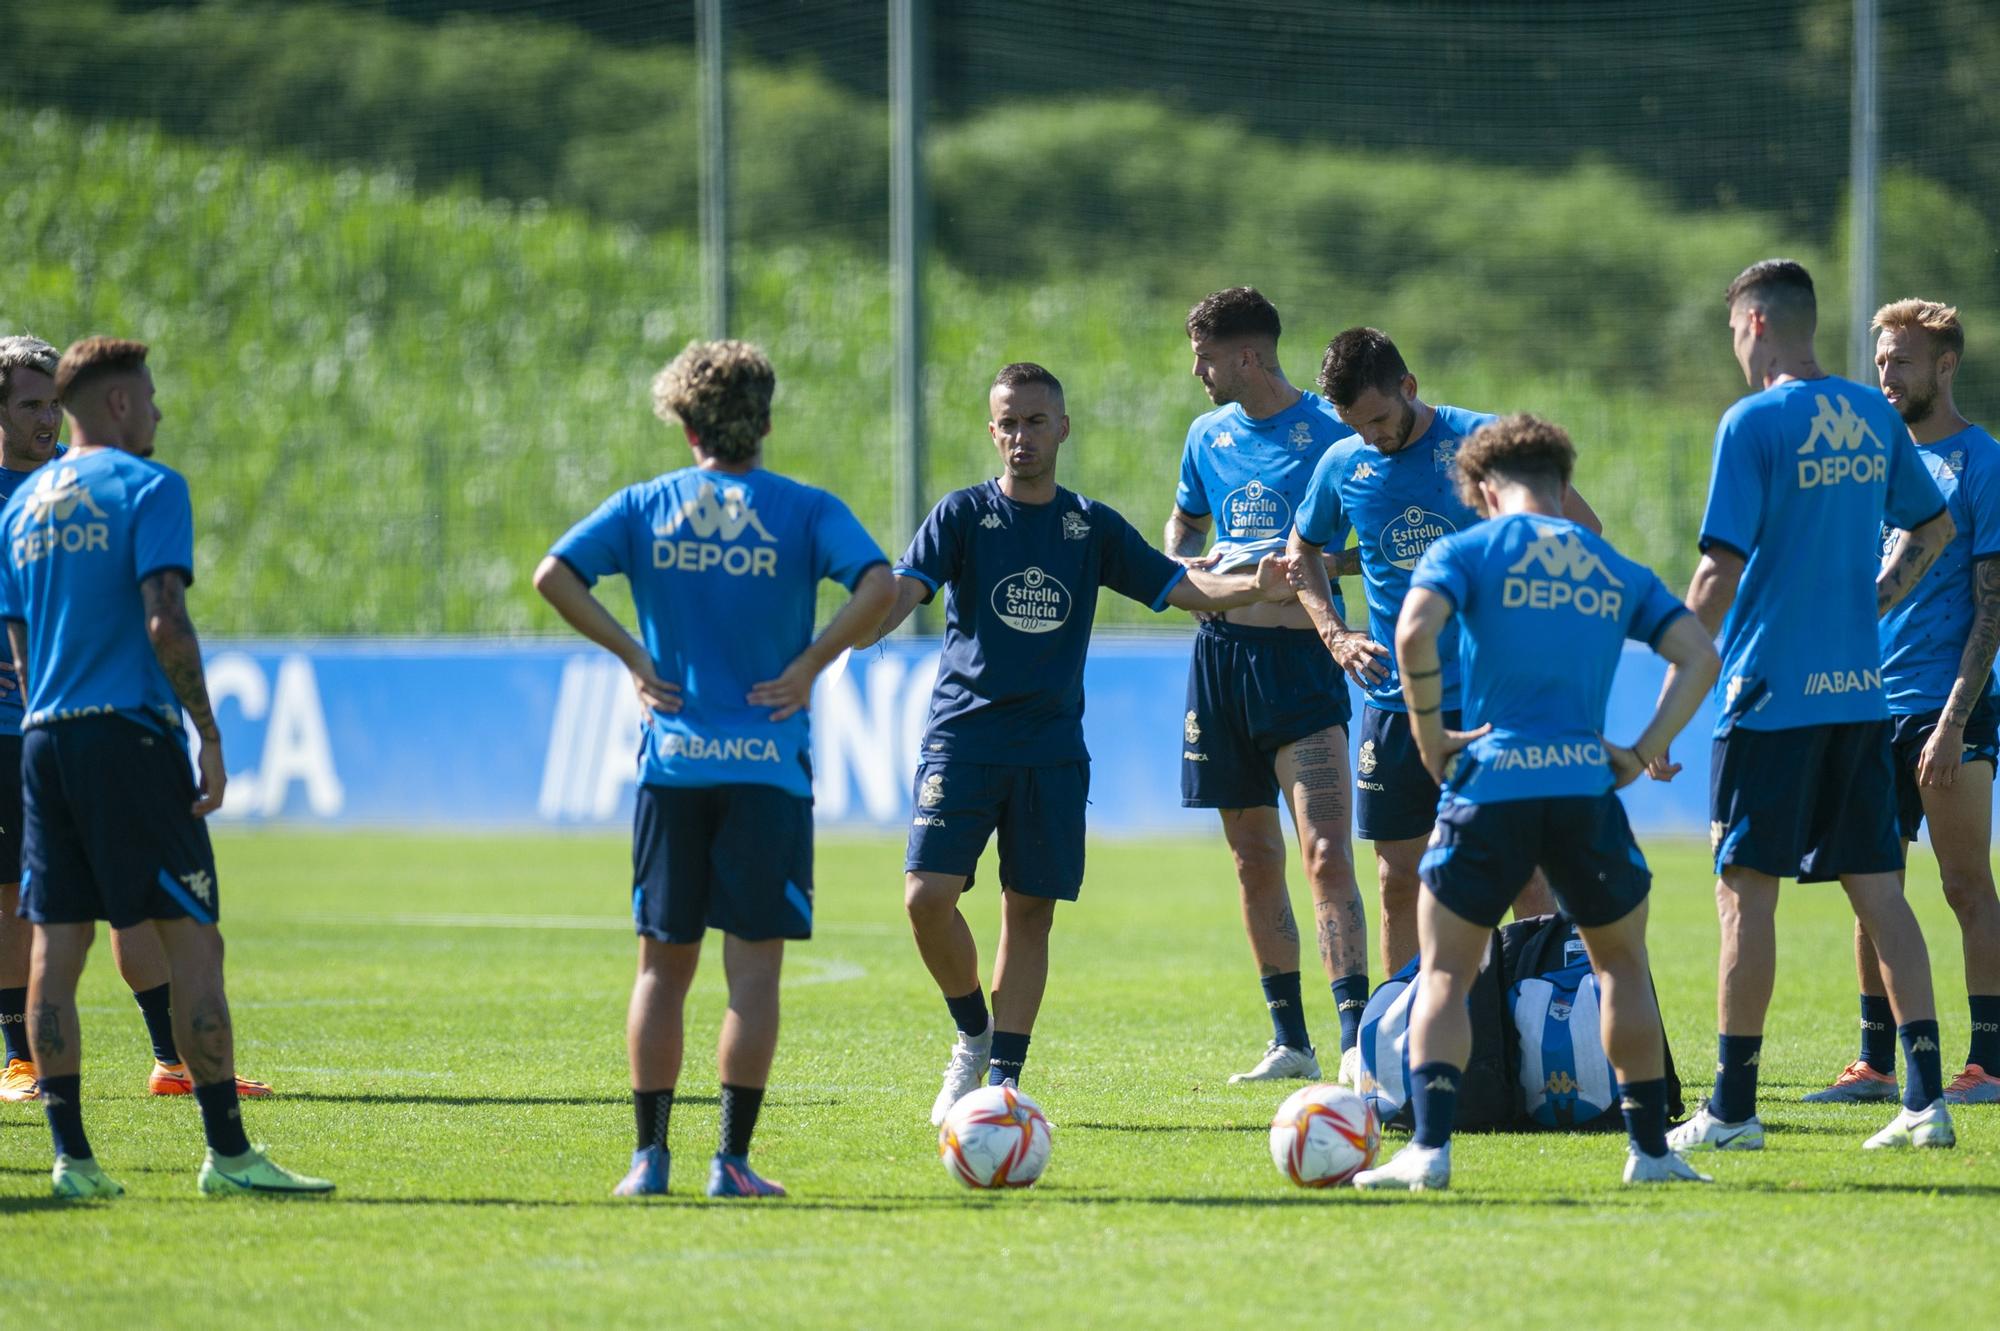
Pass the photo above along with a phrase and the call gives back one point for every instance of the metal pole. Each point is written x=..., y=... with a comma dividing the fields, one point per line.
x=908, y=57
x=714, y=165
x=1864, y=140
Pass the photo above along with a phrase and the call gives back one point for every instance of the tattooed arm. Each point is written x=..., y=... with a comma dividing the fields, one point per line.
x=179, y=652
x=1945, y=749
x=1914, y=553
x=1186, y=534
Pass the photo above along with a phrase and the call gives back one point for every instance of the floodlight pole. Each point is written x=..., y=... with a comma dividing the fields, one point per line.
x=714, y=165
x=908, y=214
x=1864, y=152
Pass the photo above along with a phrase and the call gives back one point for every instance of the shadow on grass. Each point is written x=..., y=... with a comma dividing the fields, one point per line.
x=1068, y=1125
x=470, y=1101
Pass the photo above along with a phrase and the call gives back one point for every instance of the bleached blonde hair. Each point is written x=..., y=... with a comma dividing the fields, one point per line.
x=1937, y=319
x=721, y=391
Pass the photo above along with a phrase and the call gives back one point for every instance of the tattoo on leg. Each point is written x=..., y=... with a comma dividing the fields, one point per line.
x=48, y=1034
x=1288, y=928
x=1329, y=933
x=1265, y=970
x=1319, y=777
x=210, y=1055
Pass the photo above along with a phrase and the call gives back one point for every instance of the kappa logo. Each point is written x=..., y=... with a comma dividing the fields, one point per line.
x=1923, y=1044
x=1716, y=831
x=1443, y=1084
x=1364, y=471
x=1365, y=760
x=931, y=793
x=1075, y=527
x=1191, y=728
x=1562, y=554
x=1842, y=431
x=703, y=533
x=991, y=521
x=201, y=884
x=54, y=500
x=1570, y=566
x=1560, y=1083
x=1301, y=436
x=1733, y=690
x=1222, y=440
x=707, y=517
x=57, y=496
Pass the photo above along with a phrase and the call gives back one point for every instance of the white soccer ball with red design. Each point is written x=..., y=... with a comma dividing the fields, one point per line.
x=1324, y=1135
x=995, y=1137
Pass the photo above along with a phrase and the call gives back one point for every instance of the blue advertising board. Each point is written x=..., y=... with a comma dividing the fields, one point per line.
x=460, y=733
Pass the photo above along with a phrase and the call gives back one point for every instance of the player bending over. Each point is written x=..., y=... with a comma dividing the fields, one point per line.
x=1021, y=560
x=1267, y=709
x=724, y=560
x=1937, y=670
x=1807, y=469
x=1533, y=782
x=100, y=552
x=30, y=418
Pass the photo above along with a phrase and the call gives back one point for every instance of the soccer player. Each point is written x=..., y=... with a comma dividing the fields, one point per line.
x=1937, y=671
x=99, y=554
x=1267, y=709
x=1807, y=467
x=30, y=419
x=1532, y=783
x=1022, y=560
x=1392, y=484
x=724, y=559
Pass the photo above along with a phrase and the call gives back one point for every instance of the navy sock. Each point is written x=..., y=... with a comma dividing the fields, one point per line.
x=1985, y=1033
x=1735, y=1097
x=1010, y=1053
x=222, y=1118
x=14, y=1022
x=1644, y=1104
x=651, y=1110
x=1288, y=1017
x=62, y=1101
x=1923, y=1062
x=968, y=1013
x=740, y=1107
x=156, y=1005
x=1434, y=1093
x=1350, y=999
x=1878, y=1034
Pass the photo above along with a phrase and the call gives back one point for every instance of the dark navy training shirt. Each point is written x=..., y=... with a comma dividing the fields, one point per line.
x=1021, y=586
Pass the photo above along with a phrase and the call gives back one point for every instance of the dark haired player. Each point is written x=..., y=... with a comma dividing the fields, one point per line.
x=1807, y=469
x=99, y=554
x=1393, y=485
x=1532, y=782
x=724, y=559
x=1021, y=560
x=1267, y=709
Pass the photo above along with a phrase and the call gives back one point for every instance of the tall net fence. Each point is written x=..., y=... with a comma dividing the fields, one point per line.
x=408, y=267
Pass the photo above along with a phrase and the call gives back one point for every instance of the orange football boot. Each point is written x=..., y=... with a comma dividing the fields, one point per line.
x=18, y=1082
x=173, y=1079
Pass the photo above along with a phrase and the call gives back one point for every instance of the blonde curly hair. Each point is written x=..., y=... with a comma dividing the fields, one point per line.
x=721, y=391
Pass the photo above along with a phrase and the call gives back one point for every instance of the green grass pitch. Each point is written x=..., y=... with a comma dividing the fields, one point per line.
x=442, y=1018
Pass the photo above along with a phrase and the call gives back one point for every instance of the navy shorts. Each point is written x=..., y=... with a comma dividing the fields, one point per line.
x=1395, y=798
x=1480, y=854
x=1908, y=735
x=108, y=830
x=1250, y=692
x=1038, y=812
x=733, y=857
x=10, y=809
x=1811, y=802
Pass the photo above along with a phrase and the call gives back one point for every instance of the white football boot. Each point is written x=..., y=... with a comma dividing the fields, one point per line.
x=965, y=1073
x=1350, y=1067
x=1281, y=1062
x=1413, y=1169
x=1668, y=1168
x=1926, y=1127
x=1706, y=1132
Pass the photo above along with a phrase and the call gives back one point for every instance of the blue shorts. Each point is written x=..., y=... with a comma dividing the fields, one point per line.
x=1038, y=812
x=734, y=857
x=1480, y=854
x=1810, y=802
x=10, y=809
x=1908, y=735
x=1394, y=796
x=108, y=832
x=1250, y=692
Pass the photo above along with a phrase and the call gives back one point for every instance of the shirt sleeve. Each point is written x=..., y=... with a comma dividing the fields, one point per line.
x=163, y=527
x=1736, y=489
x=842, y=548
x=1443, y=571
x=1654, y=609
x=1913, y=497
x=1980, y=484
x=1322, y=520
x=12, y=606
x=600, y=545
x=936, y=552
x=1129, y=565
x=1191, y=495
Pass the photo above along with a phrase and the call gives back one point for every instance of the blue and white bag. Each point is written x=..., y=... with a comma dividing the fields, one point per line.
x=1385, y=1043
x=1566, y=1077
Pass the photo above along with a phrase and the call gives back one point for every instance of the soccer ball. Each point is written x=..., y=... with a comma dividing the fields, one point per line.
x=1324, y=1135
x=995, y=1137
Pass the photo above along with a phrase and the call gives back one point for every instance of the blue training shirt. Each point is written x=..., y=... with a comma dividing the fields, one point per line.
x=1398, y=504
x=1806, y=472
x=1022, y=584
x=1518, y=584
x=1251, y=475
x=725, y=569
x=11, y=702
x=82, y=534
x=1924, y=636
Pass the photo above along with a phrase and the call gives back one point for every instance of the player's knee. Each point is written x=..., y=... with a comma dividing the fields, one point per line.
x=1030, y=915
x=1327, y=859
x=1969, y=894
x=926, y=899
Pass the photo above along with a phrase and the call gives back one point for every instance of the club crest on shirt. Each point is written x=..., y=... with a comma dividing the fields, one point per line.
x=1031, y=601
x=1301, y=435
x=1191, y=729
x=1445, y=456
x=1955, y=464
x=1366, y=759
x=931, y=793
x=1412, y=532
x=1075, y=526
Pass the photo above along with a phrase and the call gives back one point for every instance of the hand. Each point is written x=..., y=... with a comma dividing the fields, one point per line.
x=1274, y=578
x=1204, y=562
x=1359, y=655
x=1944, y=753
x=1663, y=768
x=655, y=694
x=10, y=681
x=1626, y=766
x=1454, y=743
x=208, y=764
x=790, y=693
